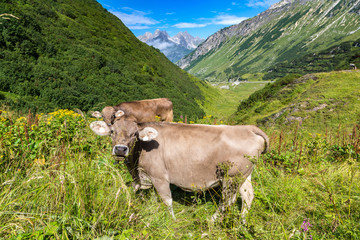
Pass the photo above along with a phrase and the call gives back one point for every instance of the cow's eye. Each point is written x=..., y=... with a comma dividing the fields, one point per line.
x=111, y=132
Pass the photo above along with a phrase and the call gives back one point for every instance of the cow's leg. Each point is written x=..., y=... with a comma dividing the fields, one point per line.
x=230, y=187
x=163, y=189
x=247, y=196
x=229, y=196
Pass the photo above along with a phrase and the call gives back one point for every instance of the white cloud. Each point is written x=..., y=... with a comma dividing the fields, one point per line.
x=228, y=20
x=223, y=19
x=135, y=19
x=137, y=27
x=190, y=25
x=161, y=45
x=261, y=3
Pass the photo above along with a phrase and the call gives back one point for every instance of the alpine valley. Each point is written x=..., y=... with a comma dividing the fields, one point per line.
x=289, y=30
x=174, y=48
x=60, y=60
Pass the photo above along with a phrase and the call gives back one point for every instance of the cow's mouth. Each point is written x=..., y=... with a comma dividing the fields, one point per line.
x=118, y=159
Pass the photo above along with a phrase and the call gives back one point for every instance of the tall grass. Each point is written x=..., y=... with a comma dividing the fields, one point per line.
x=58, y=181
x=309, y=177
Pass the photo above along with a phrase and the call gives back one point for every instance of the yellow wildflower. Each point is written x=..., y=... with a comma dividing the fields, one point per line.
x=21, y=119
x=39, y=161
x=61, y=113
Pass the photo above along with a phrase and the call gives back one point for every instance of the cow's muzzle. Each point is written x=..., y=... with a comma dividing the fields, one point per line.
x=120, y=150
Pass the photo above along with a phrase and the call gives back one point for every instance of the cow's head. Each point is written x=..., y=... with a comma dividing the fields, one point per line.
x=124, y=133
x=109, y=114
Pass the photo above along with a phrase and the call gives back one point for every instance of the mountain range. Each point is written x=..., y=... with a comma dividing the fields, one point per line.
x=288, y=30
x=175, y=47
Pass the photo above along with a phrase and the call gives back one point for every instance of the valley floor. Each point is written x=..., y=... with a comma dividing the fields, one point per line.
x=225, y=104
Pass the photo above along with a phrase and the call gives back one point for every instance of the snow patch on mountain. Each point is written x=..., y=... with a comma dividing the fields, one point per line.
x=175, y=47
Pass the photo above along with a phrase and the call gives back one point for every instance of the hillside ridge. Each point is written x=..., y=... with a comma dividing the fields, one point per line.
x=284, y=32
x=316, y=101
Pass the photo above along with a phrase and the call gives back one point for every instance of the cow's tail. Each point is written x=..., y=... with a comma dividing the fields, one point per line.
x=259, y=132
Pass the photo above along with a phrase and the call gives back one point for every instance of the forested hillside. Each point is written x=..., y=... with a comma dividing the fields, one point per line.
x=334, y=58
x=75, y=54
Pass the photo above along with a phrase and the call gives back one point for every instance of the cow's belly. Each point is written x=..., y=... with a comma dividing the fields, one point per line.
x=193, y=187
x=202, y=176
x=194, y=180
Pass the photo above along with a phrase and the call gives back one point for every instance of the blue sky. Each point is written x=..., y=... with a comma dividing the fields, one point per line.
x=200, y=18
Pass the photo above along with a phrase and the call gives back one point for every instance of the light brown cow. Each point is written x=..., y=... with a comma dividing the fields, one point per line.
x=192, y=157
x=142, y=110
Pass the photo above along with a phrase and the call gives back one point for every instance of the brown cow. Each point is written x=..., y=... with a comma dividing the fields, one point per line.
x=192, y=157
x=142, y=110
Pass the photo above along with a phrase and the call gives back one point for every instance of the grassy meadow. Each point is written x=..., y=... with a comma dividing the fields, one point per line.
x=58, y=181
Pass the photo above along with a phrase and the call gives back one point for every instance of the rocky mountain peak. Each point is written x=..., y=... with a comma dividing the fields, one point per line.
x=163, y=35
x=146, y=36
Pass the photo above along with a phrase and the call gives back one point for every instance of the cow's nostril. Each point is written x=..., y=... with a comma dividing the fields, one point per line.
x=121, y=150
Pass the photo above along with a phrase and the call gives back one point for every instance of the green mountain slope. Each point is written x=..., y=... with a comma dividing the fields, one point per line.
x=317, y=101
x=287, y=31
x=335, y=58
x=75, y=54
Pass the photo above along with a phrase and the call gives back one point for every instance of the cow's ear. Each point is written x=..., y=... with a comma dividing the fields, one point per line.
x=100, y=128
x=119, y=114
x=147, y=134
x=96, y=114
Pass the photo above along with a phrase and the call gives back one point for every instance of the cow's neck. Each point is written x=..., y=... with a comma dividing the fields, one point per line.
x=132, y=160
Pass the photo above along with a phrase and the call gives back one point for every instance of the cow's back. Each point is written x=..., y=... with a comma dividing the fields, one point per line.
x=193, y=155
x=147, y=110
